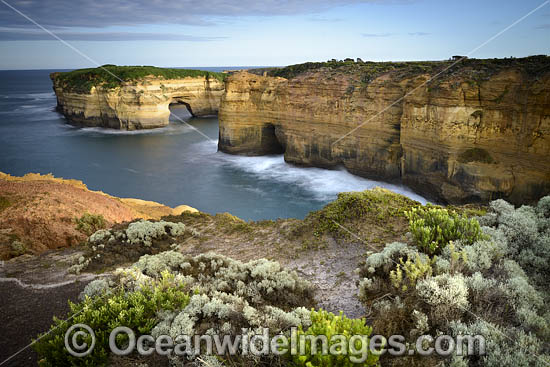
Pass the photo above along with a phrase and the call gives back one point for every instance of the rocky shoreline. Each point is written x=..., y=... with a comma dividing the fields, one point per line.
x=478, y=132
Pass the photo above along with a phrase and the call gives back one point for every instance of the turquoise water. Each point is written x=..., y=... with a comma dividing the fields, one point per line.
x=172, y=165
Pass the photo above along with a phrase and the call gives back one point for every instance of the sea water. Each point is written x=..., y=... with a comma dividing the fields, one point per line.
x=172, y=165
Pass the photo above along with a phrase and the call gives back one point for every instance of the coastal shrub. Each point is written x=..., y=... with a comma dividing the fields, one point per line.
x=433, y=228
x=259, y=282
x=446, y=294
x=525, y=233
x=504, y=346
x=4, y=203
x=17, y=248
x=352, y=208
x=543, y=207
x=136, y=310
x=95, y=288
x=499, y=274
x=107, y=247
x=407, y=272
x=89, y=223
x=315, y=342
x=481, y=255
x=229, y=295
x=227, y=314
x=145, y=232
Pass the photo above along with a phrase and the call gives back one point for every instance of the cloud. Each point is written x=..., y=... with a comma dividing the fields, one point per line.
x=377, y=34
x=32, y=35
x=543, y=26
x=104, y=13
x=419, y=34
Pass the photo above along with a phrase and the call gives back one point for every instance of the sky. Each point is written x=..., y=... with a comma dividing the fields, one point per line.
x=194, y=33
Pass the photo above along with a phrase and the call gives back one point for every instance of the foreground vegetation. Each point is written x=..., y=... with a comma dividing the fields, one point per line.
x=454, y=270
x=490, y=278
x=112, y=76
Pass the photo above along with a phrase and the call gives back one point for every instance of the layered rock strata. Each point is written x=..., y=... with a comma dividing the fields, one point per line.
x=142, y=104
x=477, y=132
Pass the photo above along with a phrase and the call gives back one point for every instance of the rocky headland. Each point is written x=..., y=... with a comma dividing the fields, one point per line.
x=131, y=98
x=41, y=212
x=479, y=131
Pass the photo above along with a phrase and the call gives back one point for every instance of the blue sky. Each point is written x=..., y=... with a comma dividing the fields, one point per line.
x=273, y=32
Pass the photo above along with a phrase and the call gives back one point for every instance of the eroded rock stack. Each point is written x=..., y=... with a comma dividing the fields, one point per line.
x=142, y=104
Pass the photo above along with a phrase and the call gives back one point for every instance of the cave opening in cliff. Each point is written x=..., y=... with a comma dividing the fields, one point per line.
x=181, y=109
x=270, y=141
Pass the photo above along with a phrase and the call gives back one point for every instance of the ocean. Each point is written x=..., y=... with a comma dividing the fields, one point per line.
x=172, y=165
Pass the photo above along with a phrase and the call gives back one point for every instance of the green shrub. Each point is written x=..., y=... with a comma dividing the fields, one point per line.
x=4, y=203
x=433, y=228
x=412, y=271
x=136, y=310
x=378, y=203
x=90, y=223
x=327, y=324
x=18, y=248
x=112, y=76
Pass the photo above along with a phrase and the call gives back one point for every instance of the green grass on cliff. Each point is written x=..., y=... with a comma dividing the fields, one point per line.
x=367, y=69
x=112, y=76
x=476, y=69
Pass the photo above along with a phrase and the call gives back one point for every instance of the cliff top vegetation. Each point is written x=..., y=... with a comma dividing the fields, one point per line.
x=531, y=66
x=112, y=76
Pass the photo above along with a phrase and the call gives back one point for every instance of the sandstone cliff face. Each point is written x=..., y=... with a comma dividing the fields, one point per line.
x=470, y=136
x=138, y=105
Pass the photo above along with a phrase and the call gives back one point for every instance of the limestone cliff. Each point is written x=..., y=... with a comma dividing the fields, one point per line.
x=479, y=131
x=136, y=104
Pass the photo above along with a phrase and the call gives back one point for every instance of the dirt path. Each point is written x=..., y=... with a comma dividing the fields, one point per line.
x=26, y=312
x=34, y=289
x=331, y=268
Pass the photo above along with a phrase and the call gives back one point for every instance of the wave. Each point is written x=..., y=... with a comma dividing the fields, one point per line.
x=171, y=129
x=323, y=184
x=33, y=96
x=38, y=96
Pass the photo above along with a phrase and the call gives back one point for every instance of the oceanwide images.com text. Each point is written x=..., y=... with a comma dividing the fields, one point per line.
x=80, y=341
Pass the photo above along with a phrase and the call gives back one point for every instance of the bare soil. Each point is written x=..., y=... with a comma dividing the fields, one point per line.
x=39, y=212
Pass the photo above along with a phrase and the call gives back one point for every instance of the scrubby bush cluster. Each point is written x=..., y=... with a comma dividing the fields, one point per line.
x=230, y=295
x=173, y=294
x=490, y=280
x=336, y=352
x=139, y=238
x=105, y=307
x=433, y=228
x=89, y=223
x=351, y=209
x=140, y=232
